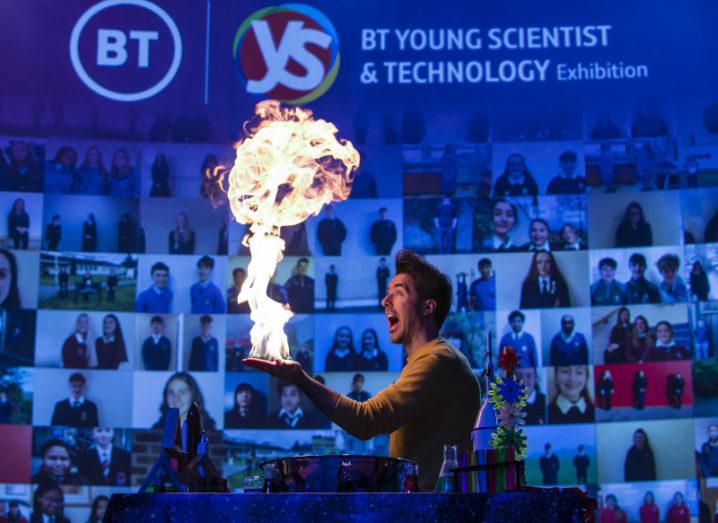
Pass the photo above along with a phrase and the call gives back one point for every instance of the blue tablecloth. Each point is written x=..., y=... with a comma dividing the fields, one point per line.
x=505, y=507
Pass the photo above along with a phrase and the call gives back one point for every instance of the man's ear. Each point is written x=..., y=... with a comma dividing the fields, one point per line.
x=429, y=307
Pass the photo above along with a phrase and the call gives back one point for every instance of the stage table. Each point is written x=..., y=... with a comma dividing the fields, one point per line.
x=506, y=507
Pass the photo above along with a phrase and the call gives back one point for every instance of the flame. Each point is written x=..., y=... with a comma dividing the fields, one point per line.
x=287, y=168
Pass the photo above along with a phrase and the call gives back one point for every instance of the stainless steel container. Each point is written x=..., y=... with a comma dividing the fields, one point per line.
x=340, y=473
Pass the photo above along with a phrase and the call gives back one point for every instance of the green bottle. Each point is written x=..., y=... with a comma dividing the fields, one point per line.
x=445, y=483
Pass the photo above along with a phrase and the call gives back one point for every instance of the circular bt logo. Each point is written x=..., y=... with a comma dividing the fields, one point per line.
x=288, y=53
x=116, y=46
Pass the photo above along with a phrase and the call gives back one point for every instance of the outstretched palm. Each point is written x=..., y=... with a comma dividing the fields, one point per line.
x=285, y=369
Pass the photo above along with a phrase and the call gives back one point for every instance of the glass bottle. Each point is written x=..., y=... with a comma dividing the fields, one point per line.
x=346, y=484
x=411, y=480
x=445, y=483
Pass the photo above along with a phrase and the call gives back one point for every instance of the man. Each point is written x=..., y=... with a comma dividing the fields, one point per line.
x=383, y=234
x=300, y=288
x=606, y=290
x=358, y=393
x=568, y=182
x=204, y=355
x=157, y=297
x=638, y=288
x=331, y=280
x=522, y=342
x=331, y=233
x=75, y=411
x=53, y=233
x=581, y=462
x=382, y=279
x=482, y=292
x=157, y=348
x=205, y=296
x=418, y=419
x=105, y=464
x=709, y=453
x=672, y=288
x=239, y=275
x=445, y=223
x=112, y=283
x=568, y=347
x=549, y=466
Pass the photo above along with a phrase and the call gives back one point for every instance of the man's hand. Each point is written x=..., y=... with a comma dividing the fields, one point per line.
x=288, y=370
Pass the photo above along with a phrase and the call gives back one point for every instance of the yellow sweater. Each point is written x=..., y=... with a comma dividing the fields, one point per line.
x=434, y=402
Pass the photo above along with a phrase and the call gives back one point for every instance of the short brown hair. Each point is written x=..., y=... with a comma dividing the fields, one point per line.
x=430, y=282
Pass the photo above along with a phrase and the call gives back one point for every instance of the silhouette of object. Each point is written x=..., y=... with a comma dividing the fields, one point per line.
x=184, y=462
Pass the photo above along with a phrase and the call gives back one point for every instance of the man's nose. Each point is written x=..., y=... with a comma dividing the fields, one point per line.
x=385, y=301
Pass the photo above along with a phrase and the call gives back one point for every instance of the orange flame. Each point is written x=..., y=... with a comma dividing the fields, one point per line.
x=286, y=170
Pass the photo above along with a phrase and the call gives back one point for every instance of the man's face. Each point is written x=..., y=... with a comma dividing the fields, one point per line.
x=56, y=460
x=160, y=278
x=357, y=385
x=204, y=272
x=401, y=308
x=567, y=325
x=713, y=433
x=302, y=268
x=102, y=436
x=637, y=271
x=382, y=214
x=485, y=271
x=77, y=388
x=205, y=328
x=517, y=323
x=608, y=273
x=668, y=273
x=290, y=398
x=156, y=327
x=568, y=168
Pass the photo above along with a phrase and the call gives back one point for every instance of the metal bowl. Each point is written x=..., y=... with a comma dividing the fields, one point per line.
x=339, y=473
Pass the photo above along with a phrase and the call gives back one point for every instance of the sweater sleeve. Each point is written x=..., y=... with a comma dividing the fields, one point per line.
x=398, y=404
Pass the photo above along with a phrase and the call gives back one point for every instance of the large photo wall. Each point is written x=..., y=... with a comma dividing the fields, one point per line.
x=584, y=235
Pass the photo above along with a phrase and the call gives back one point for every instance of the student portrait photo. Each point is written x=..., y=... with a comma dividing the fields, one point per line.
x=85, y=340
x=82, y=398
x=556, y=456
x=25, y=165
x=290, y=410
x=204, y=336
x=21, y=224
x=521, y=330
x=571, y=394
x=156, y=392
x=93, y=223
x=645, y=450
x=566, y=337
x=245, y=400
x=156, y=345
x=535, y=380
x=641, y=333
x=359, y=342
x=350, y=284
x=625, y=220
x=441, y=225
x=182, y=226
x=105, y=282
x=18, y=279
